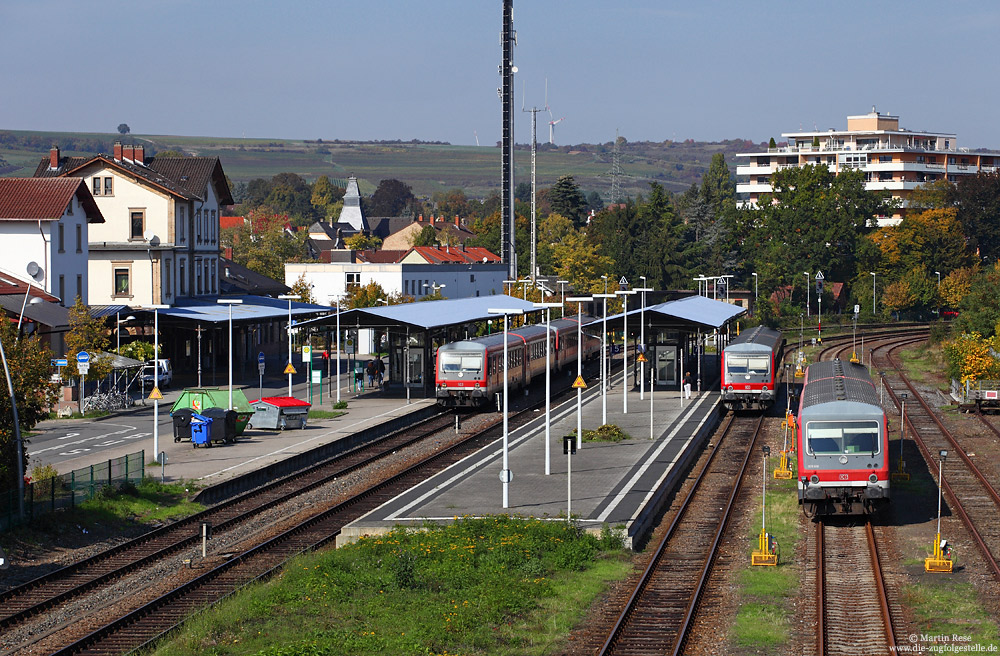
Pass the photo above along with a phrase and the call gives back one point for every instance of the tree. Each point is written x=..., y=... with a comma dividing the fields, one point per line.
x=170, y=153
x=29, y=363
x=426, y=237
x=978, y=198
x=566, y=198
x=362, y=242
x=581, y=264
x=931, y=240
x=303, y=289
x=390, y=198
x=368, y=295
x=594, y=202
x=86, y=334
x=123, y=128
x=771, y=143
x=957, y=284
x=138, y=350
x=267, y=247
x=452, y=203
x=326, y=196
x=522, y=192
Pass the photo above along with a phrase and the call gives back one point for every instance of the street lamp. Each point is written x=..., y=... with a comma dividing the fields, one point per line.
x=873, y=291
x=156, y=376
x=808, y=280
x=625, y=295
x=118, y=328
x=289, y=298
x=579, y=300
x=505, y=475
x=939, y=277
x=605, y=284
x=642, y=339
x=511, y=284
x=605, y=374
x=562, y=290
x=548, y=371
x=385, y=300
x=230, y=302
x=34, y=301
x=434, y=286
x=754, y=274
x=336, y=302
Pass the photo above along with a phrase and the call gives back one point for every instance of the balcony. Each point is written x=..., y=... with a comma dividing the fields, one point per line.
x=753, y=188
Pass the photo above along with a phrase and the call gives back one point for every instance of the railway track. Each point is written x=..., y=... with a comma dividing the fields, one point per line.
x=970, y=494
x=850, y=619
x=658, y=614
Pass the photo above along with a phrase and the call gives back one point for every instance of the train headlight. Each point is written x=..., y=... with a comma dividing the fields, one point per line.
x=764, y=387
x=729, y=389
x=477, y=385
x=873, y=479
x=814, y=479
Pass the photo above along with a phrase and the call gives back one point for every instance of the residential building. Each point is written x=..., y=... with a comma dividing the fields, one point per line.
x=159, y=243
x=893, y=159
x=44, y=234
x=453, y=232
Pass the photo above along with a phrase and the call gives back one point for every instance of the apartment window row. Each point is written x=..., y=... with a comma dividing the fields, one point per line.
x=352, y=279
x=206, y=226
x=102, y=186
x=61, y=232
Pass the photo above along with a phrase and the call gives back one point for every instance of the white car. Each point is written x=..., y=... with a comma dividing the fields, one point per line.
x=166, y=374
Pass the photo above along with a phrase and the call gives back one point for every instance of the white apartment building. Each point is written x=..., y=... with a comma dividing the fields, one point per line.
x=159, y=243
x=44, y=228
x=893, y=159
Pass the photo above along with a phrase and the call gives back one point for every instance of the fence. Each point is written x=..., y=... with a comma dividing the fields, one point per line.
x=67, y=490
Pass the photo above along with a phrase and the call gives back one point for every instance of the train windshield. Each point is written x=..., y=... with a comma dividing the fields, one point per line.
x=756, y=366
x=837, y=437
x=461, y=363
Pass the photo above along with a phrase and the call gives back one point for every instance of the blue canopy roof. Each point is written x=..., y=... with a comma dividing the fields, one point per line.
x=253, y=308
x=697, y=311
x=425, y=315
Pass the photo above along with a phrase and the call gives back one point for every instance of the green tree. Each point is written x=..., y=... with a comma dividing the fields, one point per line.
x=326, y=196
x=979, y=310
x=86, y=334
x=936, y=195
x=363, y=242
x=360, y=296
x=453, y=203
x=391, y=197
x=138, y=350
x=566, y=198
x=303, y=289
x=123, y=128
x=978, y=198
x=267, y=248
x=426, y=237
x=581, y=264
x=29, y=362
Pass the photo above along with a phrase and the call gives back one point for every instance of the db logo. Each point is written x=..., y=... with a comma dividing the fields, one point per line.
x=844, y=477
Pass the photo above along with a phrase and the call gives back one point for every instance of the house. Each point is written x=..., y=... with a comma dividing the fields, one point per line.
x=45, y=226
x=893, y=159
x=159, y=242
x=453, y=233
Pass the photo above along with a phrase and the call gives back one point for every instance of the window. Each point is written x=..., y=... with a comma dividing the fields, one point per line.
x=215, y=270
x=137, y=223
x=79, y=286
x=107, y=186
x=69, y=209
x=461, y=363
x=180, y=275
x=197, y=275
x=122, y=281
x=353, y=279
x=182, y=226
x=847, y=437
x=62, y=238
x=885, y=158
x=920, y=159
x=215, y=225
x=951, y=160
x=166, y=265
x=197, y=226
x=79, y=238
x=95, y=186
x=62, y=290
x=472, y=277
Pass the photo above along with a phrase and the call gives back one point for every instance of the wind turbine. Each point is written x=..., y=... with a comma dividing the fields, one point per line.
x=552, y=130
x=476, y=135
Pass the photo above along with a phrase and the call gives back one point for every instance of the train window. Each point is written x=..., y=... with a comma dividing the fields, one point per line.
x=455, y=363
x=757, y=366
x=736, y=366
x=847, y=437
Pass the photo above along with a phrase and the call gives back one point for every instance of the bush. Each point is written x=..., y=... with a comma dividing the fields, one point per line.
x=340, y=405
x=605, y=433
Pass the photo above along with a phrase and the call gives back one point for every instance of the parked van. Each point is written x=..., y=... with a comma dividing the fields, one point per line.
x=166, y=374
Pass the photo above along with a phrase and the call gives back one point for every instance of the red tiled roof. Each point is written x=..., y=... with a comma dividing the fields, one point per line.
x=380, y=257
x=12, y=285
x=441, y=255
x=231, y=221
x=44, y=199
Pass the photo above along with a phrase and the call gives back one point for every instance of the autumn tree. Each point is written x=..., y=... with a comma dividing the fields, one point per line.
x=931, y=240
x=86, y=334
x=326, y=197
x=957, y=284
x=263, y=245
x=29, y=364
x=363, y=242
x=303, y=289
x=581, y=264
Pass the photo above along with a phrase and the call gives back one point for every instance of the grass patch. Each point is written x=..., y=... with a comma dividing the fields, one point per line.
x=325, y=414
x=149, y=501
x=496, y=585
x=946, y=607
x=923, y=363
x=761, y=625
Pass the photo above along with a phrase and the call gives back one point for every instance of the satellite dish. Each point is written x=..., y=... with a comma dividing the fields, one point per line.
x=34, y=270
x=485, y=260
x=151, y=238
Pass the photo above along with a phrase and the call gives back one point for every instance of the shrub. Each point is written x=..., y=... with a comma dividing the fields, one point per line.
x=340, y=405
x=605, y=433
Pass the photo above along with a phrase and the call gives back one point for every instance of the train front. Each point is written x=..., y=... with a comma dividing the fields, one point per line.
x=843, y=454
x=460, y=374
x=748, y=376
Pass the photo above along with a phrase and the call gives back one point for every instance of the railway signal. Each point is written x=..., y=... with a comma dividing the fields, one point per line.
x=783, y=473
x=940, y=561
x=766, y=553
x=899, y=474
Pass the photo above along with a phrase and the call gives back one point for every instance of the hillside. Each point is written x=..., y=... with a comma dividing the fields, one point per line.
x=426, y=167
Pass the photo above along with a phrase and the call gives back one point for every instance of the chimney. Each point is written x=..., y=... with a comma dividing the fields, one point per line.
x=228, y=253
x=458, y=222
x=54, y=158
x=118, y=151
x=420, y=218
x=127, y=153
x=140, y=155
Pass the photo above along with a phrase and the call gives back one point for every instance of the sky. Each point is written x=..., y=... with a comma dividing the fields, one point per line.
x=428, y=69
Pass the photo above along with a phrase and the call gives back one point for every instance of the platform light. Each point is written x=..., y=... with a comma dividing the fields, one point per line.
x=548, y=376
x=156, y=375
x=505, y=475
x=289, y=298
x=230, y=302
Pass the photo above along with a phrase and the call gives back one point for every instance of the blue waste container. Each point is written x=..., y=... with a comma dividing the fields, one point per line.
x=201, y=430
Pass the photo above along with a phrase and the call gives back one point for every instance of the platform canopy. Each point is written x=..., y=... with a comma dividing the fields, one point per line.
x=691, y=311
x=253, y=308
x=423, y=315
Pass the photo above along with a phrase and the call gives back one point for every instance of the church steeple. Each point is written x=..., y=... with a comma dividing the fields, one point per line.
x=352, y=212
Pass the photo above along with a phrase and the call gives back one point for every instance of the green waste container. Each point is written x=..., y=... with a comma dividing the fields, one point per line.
x=200, y=399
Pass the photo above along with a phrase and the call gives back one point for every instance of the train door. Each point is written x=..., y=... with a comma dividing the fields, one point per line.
x=666, y=365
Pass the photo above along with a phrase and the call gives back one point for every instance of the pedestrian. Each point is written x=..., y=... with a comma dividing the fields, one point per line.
x=687, y=385
x=379, y=371
x=370, y=370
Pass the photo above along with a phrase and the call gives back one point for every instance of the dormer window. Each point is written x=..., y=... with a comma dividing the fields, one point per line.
x=108, y=188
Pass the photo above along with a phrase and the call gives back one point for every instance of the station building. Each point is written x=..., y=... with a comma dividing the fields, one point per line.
x=893, y=159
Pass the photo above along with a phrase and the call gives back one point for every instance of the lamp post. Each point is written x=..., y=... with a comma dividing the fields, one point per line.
x=336, y=302
x=579, y=300
x=383, y=300
x=944, y=455
x=754, y=274
x=605, y=278
x=873, y=291
x=505, y=475
x=808, y=280
x=625, y=294
x=562, y=290
x=642, y=339
x=548, y=371
x=156, y=376
x=511, y=284
x=433, y=286
x=939, y=277
x=34, y=301
x=289, y=298
x=118, y=330
x=17, y=435
x=605, y=374
x=230, y=302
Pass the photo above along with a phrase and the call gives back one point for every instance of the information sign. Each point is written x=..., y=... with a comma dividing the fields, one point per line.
x=60, y=362
x=83, y=356
x=317, y=376
x=83, y=368
x=349, y=347
x=260, y=358
x=306, y=353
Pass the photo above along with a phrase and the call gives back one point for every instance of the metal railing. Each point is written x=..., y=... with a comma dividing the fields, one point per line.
x=68, y=490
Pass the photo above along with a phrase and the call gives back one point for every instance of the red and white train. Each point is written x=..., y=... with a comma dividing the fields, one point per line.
x=470, y=372
x=842, y=441
x=750, y=366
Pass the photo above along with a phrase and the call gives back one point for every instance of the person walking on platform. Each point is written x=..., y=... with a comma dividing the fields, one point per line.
x=379, y=371
x=370, y=371
x=687, y=385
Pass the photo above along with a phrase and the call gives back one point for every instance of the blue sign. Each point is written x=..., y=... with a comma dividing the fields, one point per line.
x=83, y=356
x=61, y=362
x=260, y=358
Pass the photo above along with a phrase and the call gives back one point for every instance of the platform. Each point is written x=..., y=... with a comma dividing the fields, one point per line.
x=620, y=484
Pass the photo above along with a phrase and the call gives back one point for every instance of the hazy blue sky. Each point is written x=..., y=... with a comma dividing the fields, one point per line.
x=427, y=69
